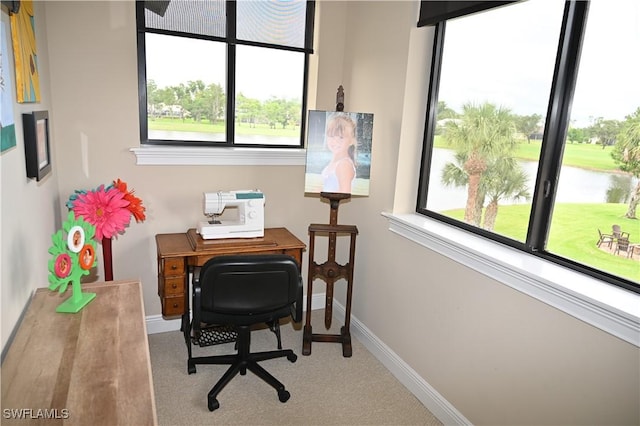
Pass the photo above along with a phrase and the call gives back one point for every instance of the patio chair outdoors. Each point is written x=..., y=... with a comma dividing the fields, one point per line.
x=618, y=233
x=605, y=238
x=623, y=245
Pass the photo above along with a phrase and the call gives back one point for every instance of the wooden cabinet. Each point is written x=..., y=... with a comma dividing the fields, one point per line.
x=172, y=285
x=179, y=253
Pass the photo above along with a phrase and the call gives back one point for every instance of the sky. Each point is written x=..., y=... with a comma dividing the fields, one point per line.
x=509, y=60
x=175, y=60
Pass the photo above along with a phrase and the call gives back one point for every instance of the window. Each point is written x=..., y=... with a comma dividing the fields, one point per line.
x=223, y=73
x=532, y=134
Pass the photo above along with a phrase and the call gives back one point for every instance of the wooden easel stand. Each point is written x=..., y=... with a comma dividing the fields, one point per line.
x=330, y=271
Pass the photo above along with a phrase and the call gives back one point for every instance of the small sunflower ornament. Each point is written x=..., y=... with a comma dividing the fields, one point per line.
x=73, y=255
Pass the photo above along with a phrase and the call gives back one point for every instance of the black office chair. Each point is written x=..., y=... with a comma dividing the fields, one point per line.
x=240, y=291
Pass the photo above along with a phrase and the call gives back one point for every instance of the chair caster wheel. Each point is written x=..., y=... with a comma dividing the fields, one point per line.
x=284, y=395
x=212, y=403
x=292, y=357
x=191, y=368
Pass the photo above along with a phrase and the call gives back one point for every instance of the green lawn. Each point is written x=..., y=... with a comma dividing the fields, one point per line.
x=205, y=126
x=574, y=233
x=586, y=156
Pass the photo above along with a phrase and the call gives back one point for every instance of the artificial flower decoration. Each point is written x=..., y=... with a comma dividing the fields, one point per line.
x=135, y=203
x=105, y=208
x=67, y=266
x=109, y=209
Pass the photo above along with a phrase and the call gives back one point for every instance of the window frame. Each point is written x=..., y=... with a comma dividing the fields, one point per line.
x=550, y=162
x=231, y=42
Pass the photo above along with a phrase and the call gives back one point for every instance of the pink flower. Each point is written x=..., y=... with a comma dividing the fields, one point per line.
x=106, y=209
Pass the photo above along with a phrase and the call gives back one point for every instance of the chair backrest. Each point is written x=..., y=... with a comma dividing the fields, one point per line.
x=623, y=244
x=616, y=230
x=243, y=289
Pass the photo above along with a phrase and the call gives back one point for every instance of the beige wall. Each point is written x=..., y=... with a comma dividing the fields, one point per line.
x=29, y=210
x=498, y=356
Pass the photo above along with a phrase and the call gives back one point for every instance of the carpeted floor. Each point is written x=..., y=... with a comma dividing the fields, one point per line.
x=325, y=387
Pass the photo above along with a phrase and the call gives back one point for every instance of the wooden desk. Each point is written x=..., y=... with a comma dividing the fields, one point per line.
x=92, y=367
x=177, y=253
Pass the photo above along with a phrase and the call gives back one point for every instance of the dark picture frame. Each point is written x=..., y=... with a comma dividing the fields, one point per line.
x=36, y=144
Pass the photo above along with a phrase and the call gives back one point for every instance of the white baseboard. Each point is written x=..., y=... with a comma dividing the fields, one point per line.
x=430, y=398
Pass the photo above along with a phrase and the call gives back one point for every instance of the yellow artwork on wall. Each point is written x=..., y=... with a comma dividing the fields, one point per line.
x=25, y=53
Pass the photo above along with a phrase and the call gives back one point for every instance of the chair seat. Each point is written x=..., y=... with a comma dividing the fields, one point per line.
x=222, y=318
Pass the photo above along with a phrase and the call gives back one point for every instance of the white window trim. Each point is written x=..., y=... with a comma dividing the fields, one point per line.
x=211, y=156
x=605, y=306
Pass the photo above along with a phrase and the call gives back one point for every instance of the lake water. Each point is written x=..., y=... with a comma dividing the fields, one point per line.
x=575, y=186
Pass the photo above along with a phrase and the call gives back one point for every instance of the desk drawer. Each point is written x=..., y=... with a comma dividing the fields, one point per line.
x=172, y=306
x=173, y=266
x=173, y=286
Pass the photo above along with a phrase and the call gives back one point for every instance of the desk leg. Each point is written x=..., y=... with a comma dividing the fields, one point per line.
x=185, y=326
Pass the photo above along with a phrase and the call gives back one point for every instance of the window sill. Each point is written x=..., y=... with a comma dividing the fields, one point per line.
x=207, y=156
x=611, y=309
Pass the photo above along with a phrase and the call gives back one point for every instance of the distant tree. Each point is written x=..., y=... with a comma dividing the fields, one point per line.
x=167, y=96
x=248, y=110
x=281, y=111
x=215, y=100
x=274, y=111
x=153, y=98
x=444, y=111
x=626, y=153
x=191, y=100
x=528, y=124
x=577, y=135
x=605, y=131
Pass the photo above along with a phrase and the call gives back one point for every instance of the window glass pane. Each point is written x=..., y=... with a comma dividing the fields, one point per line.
x=269, y=85
x=494, y=88
x=185, y=88
x=275, y=22
x=594, y=190
x=192, y=17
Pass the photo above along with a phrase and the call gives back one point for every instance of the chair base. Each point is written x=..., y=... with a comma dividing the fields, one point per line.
x=240, y=363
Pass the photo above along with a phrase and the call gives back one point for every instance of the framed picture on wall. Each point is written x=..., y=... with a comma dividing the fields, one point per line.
x=36, y=144
x=7, y=122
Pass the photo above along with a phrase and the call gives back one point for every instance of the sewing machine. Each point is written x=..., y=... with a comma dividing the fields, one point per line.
x=246, y=207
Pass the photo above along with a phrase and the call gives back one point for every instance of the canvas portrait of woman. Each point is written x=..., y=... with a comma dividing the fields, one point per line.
x=339, y=152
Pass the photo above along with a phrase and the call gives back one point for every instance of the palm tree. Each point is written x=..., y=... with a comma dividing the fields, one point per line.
x=504, y=179
x=453, y=174
x=483, y=133
x=626, y=153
